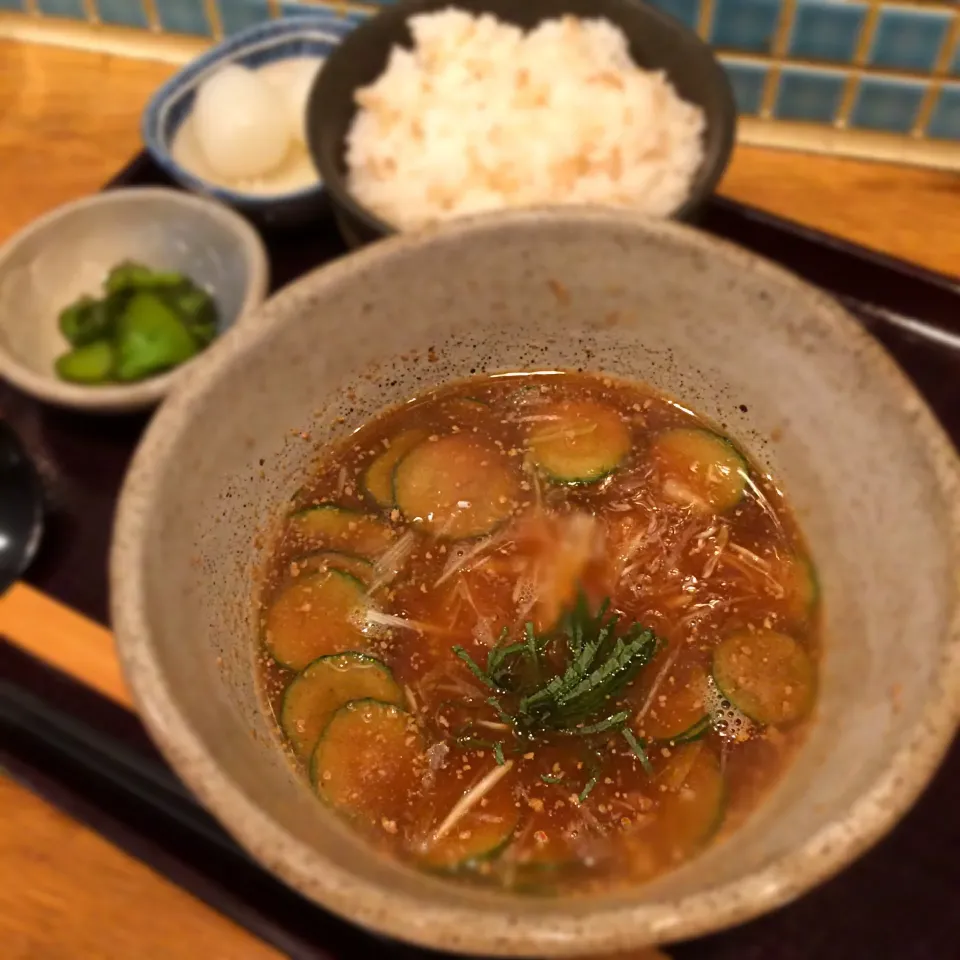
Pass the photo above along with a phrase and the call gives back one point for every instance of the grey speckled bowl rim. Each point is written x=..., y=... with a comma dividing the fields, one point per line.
x=125, y=397
x=552, y=932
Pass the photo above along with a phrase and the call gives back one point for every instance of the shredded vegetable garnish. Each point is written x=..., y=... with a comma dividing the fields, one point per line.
x=376, y=618
x=463, y=559
x=591, y=783
x=658, y=680
x=391, y=562
x=470, y=799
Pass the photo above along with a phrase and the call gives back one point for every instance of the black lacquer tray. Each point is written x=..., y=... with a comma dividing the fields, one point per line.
x=93, y=758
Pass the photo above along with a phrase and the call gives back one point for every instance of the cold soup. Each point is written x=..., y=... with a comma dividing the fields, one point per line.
x=550, y=632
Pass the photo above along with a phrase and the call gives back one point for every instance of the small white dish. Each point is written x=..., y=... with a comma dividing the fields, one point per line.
x=169, y=112
x=69, y=251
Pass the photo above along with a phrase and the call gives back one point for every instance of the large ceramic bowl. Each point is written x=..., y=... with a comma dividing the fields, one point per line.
x=794, y=378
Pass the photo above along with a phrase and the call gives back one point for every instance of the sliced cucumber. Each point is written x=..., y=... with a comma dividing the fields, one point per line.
x=766, y=675
x=472, y=842
x=581, y=442
x=692, y=808
x=679, y=710
x=313, y=617
x=324, y=686
x=457, y=487
x=700, y=469
x=340, y=529
x=378, y=480
x=730, y=724
x=693, y=732
x=801, y=587
x=322, y=560
x=368, y=760
x=482, y=834
x=543, y=858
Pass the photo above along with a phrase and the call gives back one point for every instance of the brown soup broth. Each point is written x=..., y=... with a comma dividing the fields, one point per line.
x=669, y=543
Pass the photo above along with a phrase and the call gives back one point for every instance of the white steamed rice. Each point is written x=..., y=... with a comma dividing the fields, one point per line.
x=480, y=115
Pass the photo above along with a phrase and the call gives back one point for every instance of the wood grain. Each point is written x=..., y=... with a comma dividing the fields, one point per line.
x=63, y=638
x=907, y=212
x=69, y=121
x=65, y=892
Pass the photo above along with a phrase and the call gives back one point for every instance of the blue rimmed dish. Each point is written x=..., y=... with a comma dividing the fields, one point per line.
x=265, y=43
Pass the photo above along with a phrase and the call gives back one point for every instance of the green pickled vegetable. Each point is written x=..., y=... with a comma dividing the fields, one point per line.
x=197, y=310
x=150, y=338
x=135, y=276
x=91, y=363
x=86, y=320
x=148, y=321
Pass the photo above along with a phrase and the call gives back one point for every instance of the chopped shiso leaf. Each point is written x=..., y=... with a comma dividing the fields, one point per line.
x=637, y=747
x=591, y=783
x=599, y=666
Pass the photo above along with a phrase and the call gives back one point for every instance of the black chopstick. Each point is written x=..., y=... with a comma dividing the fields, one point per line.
x=92, y=759
x=27, y=719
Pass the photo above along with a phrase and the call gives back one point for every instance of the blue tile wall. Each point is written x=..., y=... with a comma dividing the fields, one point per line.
x=745, y=24
x=123, y=13
x=807, y=94
x=945, y=119
x=183, y=16
x=686, y=11
x=748, y=81
x=237, y=15
x=826, y=30
x=908, y=38
x=63, y=8
x=887, y=104
x=300, y=9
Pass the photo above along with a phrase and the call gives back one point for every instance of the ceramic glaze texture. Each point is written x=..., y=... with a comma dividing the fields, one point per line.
x=870, y=475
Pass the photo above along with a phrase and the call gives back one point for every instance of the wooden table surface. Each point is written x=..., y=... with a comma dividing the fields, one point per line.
x=70, y=120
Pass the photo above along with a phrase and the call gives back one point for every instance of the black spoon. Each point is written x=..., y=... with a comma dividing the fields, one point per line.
x=21, y=508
